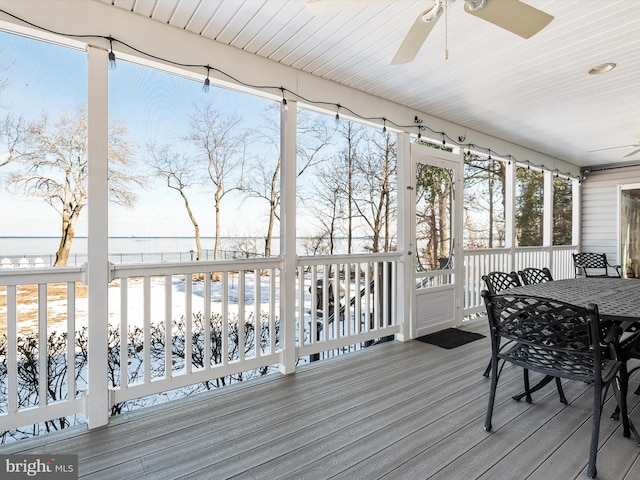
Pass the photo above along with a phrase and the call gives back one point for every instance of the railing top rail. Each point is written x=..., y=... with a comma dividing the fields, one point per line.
x=483, y=251
x=169, y=268
x=28, y=276
x=353, y=258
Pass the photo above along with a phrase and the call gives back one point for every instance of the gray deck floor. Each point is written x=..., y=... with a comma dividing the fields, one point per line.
x=396, y=411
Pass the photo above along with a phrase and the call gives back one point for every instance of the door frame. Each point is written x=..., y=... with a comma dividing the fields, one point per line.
x=454, y=161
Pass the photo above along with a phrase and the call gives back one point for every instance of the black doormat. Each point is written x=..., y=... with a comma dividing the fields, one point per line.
x=450, y=338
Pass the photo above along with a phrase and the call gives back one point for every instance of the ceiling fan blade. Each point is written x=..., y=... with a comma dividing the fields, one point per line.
x=416, y=36
x=321, y=7
x=637, y=150
x=614, y=148
x=512, y=15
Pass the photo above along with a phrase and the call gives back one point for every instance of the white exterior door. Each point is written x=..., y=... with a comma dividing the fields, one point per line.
x=436, y=245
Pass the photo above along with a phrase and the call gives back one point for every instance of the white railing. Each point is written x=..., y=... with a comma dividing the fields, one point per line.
x=185, y=323
x=346, y=300
x=482, y=261
x=173, y=325
x=39, y=326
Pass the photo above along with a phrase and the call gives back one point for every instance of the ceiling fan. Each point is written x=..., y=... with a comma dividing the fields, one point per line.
x=512, y=15
x=635, y=146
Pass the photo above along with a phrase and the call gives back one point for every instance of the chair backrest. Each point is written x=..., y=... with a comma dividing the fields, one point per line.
x=552, y=337
x=499, y=281
x=531, y=276
x=592, y=264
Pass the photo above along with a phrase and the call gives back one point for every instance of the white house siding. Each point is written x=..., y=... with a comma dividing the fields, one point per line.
x=600, y=209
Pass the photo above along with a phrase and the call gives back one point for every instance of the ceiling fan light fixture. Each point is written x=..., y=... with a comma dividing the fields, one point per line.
x=475, y=5
x=432, y=13
x=602, y=68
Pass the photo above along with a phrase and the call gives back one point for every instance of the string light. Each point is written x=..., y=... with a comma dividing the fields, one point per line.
x=207, y=82
x=112, y=56
x=283, y=90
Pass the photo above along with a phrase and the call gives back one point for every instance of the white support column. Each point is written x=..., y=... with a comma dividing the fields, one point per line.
x=288, y=121
x=97, y=243
x=576, y=220
x=547, y=217
x=510, y=209
x=406, y=288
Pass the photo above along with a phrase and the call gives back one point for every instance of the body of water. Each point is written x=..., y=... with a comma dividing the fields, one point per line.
x=41, y=251
x=38, y=250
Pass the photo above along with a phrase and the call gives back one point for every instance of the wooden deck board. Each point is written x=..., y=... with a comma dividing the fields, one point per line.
x=396, y=411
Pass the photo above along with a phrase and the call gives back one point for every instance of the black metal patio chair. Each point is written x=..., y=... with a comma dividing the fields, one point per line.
x=589, y=264
x=531, y=275
x=559, y=340
x=499, y=281
x=496, y=282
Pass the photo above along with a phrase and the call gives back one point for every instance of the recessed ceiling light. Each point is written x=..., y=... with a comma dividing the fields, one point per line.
x=602, y=68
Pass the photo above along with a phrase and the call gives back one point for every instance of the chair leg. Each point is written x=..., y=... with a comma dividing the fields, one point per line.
x=487, y=370
x=620, y=389
x=527, y=387
x=492, y=394
x=595, y=430
x=563, y=399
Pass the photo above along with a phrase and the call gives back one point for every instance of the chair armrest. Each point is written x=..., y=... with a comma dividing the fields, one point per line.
x=612, y=340
x=614, y=334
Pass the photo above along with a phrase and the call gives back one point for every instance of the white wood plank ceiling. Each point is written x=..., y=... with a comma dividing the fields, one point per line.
x=534, y=92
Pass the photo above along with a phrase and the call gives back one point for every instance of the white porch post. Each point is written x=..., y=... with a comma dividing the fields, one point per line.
x=547, y=217
x=97, y=243
x=404, y=310
x=510, y=211
x=288, y=122
x=576, y=218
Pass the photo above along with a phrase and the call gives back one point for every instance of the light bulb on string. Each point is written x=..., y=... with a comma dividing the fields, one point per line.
x=112, y=56
x=384, y=125
x=207, y=82
x=338, y=113
x=285, y=106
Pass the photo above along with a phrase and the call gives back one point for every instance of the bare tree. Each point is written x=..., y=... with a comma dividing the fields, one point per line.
x=373, y=195
x=314, y=135
x=53, y=166
x=179, y=173
x=13, y=132
x=221, y=143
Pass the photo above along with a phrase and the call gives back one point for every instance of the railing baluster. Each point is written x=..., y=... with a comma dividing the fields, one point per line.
x=241, y=320
x=124, y=332
x=12, y=350
x=225, y=319
x=71, y=336
x=168, y=327
x=188, y=323
x=146, y=288
x=207, y=322
x=257, y=300
x=272, y=311
x=42, y=345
